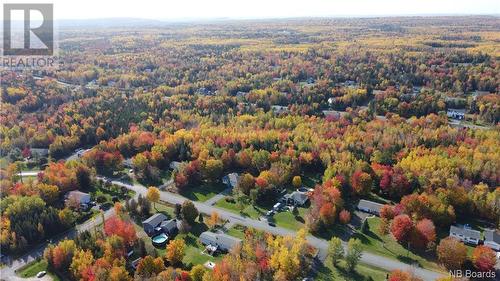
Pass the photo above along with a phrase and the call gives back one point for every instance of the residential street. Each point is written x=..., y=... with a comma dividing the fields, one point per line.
x=322, y=245
x=7, y=273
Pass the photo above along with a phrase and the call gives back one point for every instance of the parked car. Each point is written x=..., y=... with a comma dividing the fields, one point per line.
x=270, y=223
x=41, y=274
x=270, y=213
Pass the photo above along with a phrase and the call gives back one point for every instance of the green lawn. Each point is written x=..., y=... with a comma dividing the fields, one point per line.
x=289, y=220
x=31, y=269
x=203, y=191
x=387, y=246
x=362, y=272
x=284, y=219
x=194, y=249
x=237, y=231
x=251, y=211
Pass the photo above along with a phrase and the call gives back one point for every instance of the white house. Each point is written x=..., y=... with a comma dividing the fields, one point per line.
x=231, y=180
x=458, y=114
x=465, y=234
x=492, y=239
x=80, y=197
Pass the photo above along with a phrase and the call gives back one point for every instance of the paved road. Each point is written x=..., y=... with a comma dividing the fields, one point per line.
x=8, y=272
x=321, y=244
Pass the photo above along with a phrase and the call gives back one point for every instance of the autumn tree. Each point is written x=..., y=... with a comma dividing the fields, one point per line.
x=400, y=275
x=246, y=183
x=361, y=182
x=153, y=195
x=213, y=221
x=344, y=217
x=197, y=272
x=149, y=267
x=119, y=227
x=402, y=228
x=484, y=258
x=175, y=251
x=297, y=182
x=212, y=170
x=451, y=253
x=81, y=260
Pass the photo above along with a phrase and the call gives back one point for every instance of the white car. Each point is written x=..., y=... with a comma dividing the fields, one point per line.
x=41, y=274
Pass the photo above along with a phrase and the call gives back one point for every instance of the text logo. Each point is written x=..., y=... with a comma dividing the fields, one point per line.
x=28, y=29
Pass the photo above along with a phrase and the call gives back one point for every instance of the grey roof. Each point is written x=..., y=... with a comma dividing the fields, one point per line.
x=175, y=165
x=299, y=197
x=77, y=195
x=221, y=239
x=169, y=225
x=466, y=232
x=231, y=179
x=155, y=219
x=39, y=151
x=369, y=205
x=492, y=235
x=456, y=110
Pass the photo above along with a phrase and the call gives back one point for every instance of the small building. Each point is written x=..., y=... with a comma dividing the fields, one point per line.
x=458, y=114
x=153, y=222
x=231, y=180
x=175, y=165
x=465, y=234
x=127, y=163
x=296, y=198
x=222, y=241
x=278, y=109
x=80, y=197
x=492, y=239
x=169, y=227
x=135, y=263
x=39, y=152
x=369, y=207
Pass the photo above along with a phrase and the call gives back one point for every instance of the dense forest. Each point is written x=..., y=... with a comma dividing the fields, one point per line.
x=359, y=103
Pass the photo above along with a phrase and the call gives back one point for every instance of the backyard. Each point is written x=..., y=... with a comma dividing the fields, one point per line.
x=203, y=191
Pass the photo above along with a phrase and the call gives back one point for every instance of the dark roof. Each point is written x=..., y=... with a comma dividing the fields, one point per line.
x=466, y=232
x=169, y=225
x=369, y=205
x=492, y=235
x=155, y=219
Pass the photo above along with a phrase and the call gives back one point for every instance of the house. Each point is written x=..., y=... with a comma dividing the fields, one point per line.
x=465, y=234
x=231, y=180
x=241, y=94
x=458, y=114
x=39, y=152
x=378, y=92
x=223, y=241
x=492, y=239
x=296, y=198
x=169, y=227
x=278, y=109
x=153, y=222
x=369, y=207
x=127, y=163
x=80, y=197
x=175, y=165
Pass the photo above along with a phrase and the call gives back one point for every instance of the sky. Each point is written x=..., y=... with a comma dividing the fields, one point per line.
x=251, y=9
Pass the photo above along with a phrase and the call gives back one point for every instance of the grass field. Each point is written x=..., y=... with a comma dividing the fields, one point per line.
x=362, y=272
x=203, y=192
x=31, y=269
x=386, y=246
